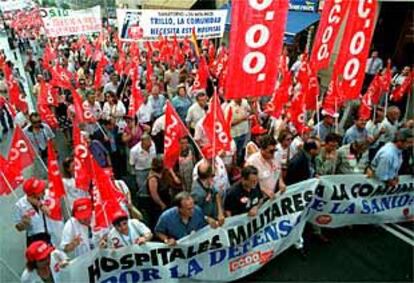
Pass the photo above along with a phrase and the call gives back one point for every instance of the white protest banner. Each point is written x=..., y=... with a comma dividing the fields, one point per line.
x=147, y=25
x=243, y=245
x=347, y=199
x=63, y=22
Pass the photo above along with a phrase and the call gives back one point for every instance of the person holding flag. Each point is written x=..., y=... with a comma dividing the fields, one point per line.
x=31, y=214
x=126, y=232
x=77, y=236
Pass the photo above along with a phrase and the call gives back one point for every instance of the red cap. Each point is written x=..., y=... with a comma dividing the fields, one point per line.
x=120, y=214
x=82, y=208
x=34, y=186
x=258, y=130
x=38, y=250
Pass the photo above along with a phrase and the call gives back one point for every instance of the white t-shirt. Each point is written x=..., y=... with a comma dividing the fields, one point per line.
x=136, y=229
x=269, y=171
x=73, y=193
x=23, y=207
x=56, y=257
x=89, y=240
x=117, y=111
x=142, y=159
x=195, y=113
x=144, y=113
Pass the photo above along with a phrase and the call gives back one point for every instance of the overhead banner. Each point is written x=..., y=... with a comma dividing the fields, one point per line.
x=13, y=5
x=256, y=39
x=63, y=22
x=345, y=200
x=355, y=46
x=332, y=17
x=304, y=5
x=244, y=244
x=148, y=25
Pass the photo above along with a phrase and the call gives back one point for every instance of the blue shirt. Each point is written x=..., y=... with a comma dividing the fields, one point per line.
x=171, y=224
x=387, y=162
x=323, y=130
x=355, y=134
x=157, y=105
x=181, y=105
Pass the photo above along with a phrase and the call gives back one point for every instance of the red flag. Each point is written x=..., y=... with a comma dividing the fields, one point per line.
x=216, y=127
x=10, y=177
x=17, y=98
x=375, y=89
x=356, y=43
x=136, y=98
x=54, y=175
x=364, y=111
x=108, y=192
x=21, y=153
x=82, y=161
x=150, y=72
x=332, y=16
x=56, y=188
x=280, y=96
x=48, y=116
x=386, y=79
x=61, y=77
x=334, y=97
x=99, y=72
x=297, y=111
x=399, y=92
x=101, y=220
x=174, y=131
x=200, y=81
x=312, y=93
x=257, y=31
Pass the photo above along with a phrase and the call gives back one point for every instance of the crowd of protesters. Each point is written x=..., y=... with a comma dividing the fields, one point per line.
x=267, y=153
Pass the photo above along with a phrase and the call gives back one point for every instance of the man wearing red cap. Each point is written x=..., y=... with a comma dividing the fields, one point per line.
x=127, y=232
x=43, y=263
x=30, y=214
x=77, y=236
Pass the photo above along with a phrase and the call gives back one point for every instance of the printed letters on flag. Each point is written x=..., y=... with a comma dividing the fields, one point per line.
x=56, y=188
x=355, y=46
x=82, y=161
x=333, y=13
x=22, y=153
x=257, y=31
x=10, y=178
x=174, y=131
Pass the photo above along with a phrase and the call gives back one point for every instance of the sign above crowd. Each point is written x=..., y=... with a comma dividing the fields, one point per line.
x=304, y=5
x=63, y=22
x=8, y=6
x=148, y=25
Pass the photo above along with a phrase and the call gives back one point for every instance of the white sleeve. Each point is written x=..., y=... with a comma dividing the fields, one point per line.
x=67, y=234
x=16, y=214
x=140, y=227
x=121, y=108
